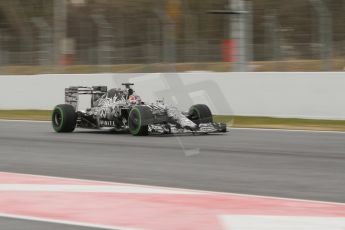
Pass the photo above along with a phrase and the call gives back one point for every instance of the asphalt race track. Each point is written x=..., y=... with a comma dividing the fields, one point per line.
x=294, y=164
x=16, y=224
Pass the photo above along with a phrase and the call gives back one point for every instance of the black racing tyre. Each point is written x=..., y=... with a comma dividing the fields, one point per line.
x=138, y=120
x=64, y=118
x=200, y=113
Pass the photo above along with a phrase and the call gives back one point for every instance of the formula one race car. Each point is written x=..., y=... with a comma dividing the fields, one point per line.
x=123, y=110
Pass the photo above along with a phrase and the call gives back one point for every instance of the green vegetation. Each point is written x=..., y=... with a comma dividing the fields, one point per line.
x=259, y=66
x=282, y=30
x=234, y=121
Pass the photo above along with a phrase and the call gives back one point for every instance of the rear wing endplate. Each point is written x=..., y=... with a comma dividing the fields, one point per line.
x=72, y=94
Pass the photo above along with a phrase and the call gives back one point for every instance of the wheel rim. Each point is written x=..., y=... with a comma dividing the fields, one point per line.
x=57, y=119
x=194, y=114
x=134, y=121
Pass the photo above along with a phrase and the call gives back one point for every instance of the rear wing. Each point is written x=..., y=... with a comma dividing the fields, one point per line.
x=72, y=94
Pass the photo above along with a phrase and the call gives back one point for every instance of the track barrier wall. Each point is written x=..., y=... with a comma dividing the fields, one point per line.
x=298, y=95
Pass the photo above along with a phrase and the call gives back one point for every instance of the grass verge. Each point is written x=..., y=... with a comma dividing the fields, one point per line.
x=234, y=121
x=281, y=123
x=37, y=115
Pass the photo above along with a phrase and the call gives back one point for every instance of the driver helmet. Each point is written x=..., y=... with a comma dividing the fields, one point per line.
x=134, y=99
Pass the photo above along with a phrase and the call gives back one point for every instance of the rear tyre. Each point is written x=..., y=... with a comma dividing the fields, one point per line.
x=64, y=118
x=200, y=113
x=139, y=119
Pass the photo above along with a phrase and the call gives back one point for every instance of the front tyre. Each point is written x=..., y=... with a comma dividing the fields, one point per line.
x=64, y=118
x=139, y=119
x=200, y=113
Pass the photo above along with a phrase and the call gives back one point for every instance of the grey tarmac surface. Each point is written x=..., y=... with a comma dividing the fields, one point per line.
x=304, y=165
x=17, y=224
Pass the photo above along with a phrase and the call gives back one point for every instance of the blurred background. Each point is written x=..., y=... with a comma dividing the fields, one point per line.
x=83, y=36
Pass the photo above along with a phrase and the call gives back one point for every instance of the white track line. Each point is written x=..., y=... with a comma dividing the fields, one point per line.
x=56, y=221
x=272, y=222
x=231, y=128
x=90, y=189
x=201, y=192
x=289, y=130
